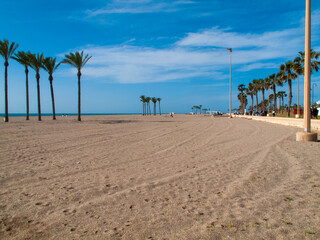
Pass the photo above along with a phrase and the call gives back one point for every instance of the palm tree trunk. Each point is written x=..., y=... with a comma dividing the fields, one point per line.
x=6, y=64
x=79, y=96
x=38, y=88
x=155, y=109
x=268, y=102
x=149, y=109
x=290, y=96
x=251, y=102
x=274, y=97
x=257, y=101
x=27, y=92
x=159, y=109
x=52, y=97
x=263, y=107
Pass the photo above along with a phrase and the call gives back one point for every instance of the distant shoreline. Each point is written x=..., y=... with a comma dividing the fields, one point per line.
x=69, y=114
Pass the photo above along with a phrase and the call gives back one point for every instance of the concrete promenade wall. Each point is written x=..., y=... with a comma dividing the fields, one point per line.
x=295, y=122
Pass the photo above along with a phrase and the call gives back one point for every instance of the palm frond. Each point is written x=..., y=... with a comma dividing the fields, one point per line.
x=7, y=51
x=76, y=59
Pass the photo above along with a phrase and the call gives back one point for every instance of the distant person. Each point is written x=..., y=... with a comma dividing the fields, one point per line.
x=273, y=113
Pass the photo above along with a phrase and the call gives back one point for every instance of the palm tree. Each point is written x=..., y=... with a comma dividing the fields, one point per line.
x=281, y=95
x=250, y=91
x=78, y=61
x=143, y=100
x=49, y=64
x=275, y=81
x=262, y=88
x=200, y=106
x=314, y=63
x=36, y=63
x=159, y=100
x=6, y=51
x=271, y=98
x=256, y=89
x=22, y=58
x=288, y=75
x=154, y=100
x=242, y=97
x=241, y=88
x=148, y=99
x=197, y=107
x=267, y=85
x=298, y=68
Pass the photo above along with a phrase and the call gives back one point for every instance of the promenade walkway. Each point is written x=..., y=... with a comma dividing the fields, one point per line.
x=295, y=122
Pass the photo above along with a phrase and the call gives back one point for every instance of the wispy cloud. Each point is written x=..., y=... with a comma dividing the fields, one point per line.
x=224, y=38
x=129, y=64
x=249, y=67
x=198, y=55
x=137, y=6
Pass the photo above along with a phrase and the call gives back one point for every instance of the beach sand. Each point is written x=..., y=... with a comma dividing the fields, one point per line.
x=135, y=177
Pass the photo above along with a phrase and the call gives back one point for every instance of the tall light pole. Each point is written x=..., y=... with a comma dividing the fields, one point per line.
x=307, y=135
x=230, y=51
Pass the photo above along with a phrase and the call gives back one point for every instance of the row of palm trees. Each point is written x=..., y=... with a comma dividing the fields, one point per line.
x=196, y=108
x=37, y=62
x=288, y=72
x=146, y=110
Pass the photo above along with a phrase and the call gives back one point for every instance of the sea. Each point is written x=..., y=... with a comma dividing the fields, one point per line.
x=65, y=114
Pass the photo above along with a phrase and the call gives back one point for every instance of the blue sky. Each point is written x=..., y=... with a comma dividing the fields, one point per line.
x=175, y=50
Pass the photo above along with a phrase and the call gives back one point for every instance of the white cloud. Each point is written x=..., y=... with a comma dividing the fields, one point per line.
x=198, y=55
x=224, y=38
x=137, y=6
x=130, y=64
x=249, y=67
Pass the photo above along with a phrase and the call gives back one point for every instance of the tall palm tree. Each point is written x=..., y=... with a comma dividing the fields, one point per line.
x=271, y=98
x=241, y=88
x=36, y=63
x=242, y=97
x=159, y=100
x=281, y=95
x=314, y=56
x=250, y=91
x=256, y=89
x=154, y=100
x=22, y=58
x=6, y=51
x=49, y=64
x=298, y=68
x=289, y=75
x=143, y=100
x=267, y=85
x=262, y=87
x=148, y=99
x=275, y=81
x=78, y=61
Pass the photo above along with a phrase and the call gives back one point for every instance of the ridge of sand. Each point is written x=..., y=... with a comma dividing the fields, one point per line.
x=135, y=177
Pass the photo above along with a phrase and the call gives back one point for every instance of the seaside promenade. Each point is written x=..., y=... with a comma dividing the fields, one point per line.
x=293, y=122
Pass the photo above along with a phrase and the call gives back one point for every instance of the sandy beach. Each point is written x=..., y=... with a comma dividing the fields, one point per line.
x=156, y=177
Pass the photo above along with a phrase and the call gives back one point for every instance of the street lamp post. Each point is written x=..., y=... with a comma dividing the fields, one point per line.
x=307, y=135
x=230, y=51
